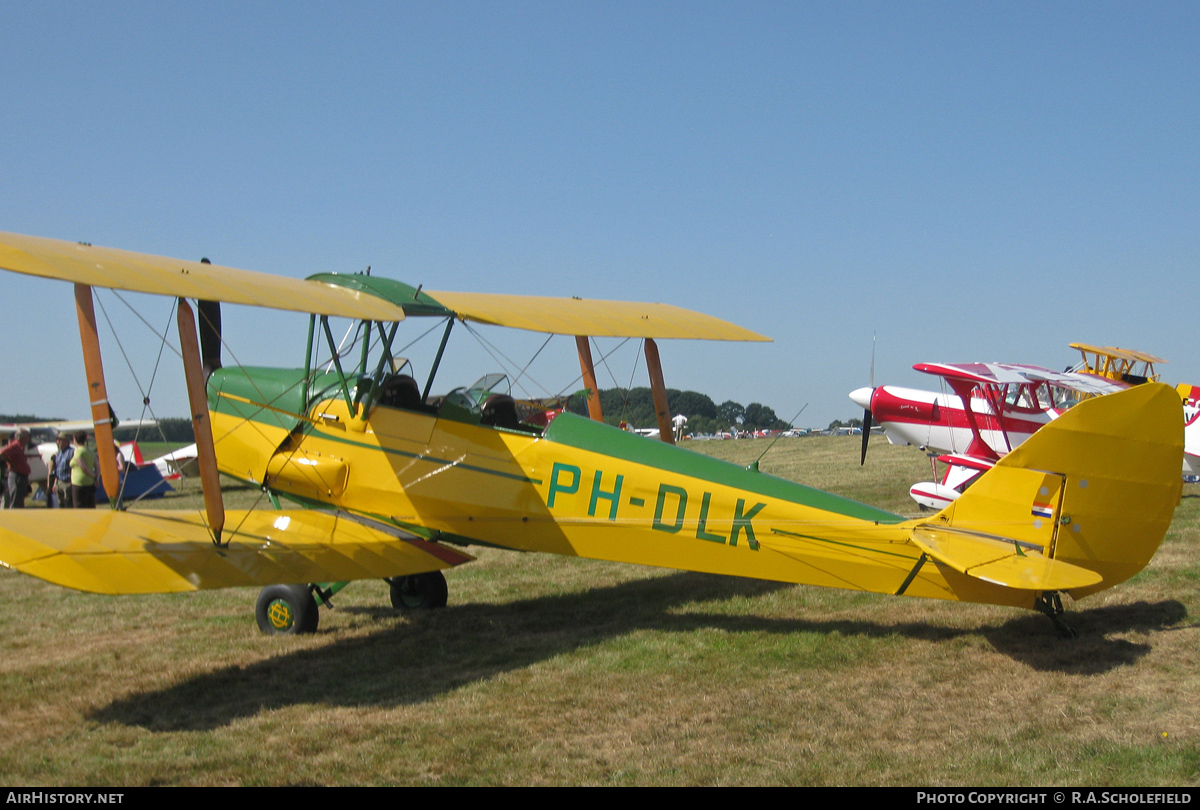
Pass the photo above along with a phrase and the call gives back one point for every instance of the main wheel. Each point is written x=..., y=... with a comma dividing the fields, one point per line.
x=419, y=591
x=286, y=609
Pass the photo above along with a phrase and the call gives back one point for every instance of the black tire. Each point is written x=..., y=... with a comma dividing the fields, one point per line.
x=286, y=610
x=419, y=591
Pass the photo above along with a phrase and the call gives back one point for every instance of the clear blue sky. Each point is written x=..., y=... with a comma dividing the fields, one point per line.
x=973, y=181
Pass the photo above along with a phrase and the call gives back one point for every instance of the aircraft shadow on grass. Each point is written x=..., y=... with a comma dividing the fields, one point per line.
x=1024, y=638
x=438, y=652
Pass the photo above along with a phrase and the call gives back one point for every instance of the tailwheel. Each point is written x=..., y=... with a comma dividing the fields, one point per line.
x=419, y=591
x=1050, y=605
x=286, y=610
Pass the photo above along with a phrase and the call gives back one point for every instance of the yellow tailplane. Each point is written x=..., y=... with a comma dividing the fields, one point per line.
x=1081, y=506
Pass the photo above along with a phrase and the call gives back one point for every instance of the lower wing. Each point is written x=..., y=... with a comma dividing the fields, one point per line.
x=170, y=551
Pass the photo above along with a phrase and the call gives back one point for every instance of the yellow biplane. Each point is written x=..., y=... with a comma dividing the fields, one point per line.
x=388, y=481
x=1135, y=367
x=1126, y=365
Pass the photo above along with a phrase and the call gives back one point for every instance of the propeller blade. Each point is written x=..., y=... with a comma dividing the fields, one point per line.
x=866, y=433
x=866, y=425
x=210, y=335
x=872, y=360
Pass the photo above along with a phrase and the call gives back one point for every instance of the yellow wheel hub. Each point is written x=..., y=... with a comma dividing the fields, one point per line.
x=280, y=615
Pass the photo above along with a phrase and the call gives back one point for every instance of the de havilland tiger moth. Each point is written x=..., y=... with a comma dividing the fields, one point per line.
x=383, y=480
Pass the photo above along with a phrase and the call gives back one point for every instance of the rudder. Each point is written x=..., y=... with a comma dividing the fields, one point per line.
x=1095, y=488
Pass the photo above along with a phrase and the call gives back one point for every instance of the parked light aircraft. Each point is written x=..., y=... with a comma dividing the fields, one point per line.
x=1129, y=365
x=1191, y=430
x=179, y=463
x=1007, y=404
x=399, y=484
x=1114, y=363
x=995, y=407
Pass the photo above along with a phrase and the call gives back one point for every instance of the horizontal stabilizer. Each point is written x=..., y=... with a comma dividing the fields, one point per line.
x=996, y=560
x=169, y=551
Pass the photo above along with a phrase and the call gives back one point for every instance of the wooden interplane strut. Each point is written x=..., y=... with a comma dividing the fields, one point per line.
x=658, y=388
x=106, y=453
x=206, y=455
x=584, y=347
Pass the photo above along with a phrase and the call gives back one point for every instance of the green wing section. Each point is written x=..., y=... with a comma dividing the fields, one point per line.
x=111, y=552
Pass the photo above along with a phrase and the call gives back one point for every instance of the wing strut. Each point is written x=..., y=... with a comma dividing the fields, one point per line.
x=206, y=455
x=437, y=360
x=589, y=377
x=106, y=453
x=658, y=388
x=978, y=447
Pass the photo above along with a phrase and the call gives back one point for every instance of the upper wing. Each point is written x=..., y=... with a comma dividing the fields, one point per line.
x=559, y=316
x=1123, y=354
x=113, y=552
x=159, y=275
x=352, y=296
x=1017, y=374
x=596, y=318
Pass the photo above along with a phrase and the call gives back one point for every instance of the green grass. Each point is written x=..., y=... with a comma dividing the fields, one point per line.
x=549, y=670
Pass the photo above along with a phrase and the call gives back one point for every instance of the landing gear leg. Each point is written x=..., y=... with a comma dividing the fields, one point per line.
x=1049, y=603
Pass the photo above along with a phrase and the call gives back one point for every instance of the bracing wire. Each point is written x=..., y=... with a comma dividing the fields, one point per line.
x=603, y=357
x=163, y=341
x=121, y=347
x=129, y=365
x=629, y=387
x=493, y=351
x=530, y=363
x=418, y=338
x=145, y=392
x=160, y=335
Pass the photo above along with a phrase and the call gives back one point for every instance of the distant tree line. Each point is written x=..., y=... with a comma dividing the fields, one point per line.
x=173, y=430
x=16, y=419
x=632, y=405
x=636, y=407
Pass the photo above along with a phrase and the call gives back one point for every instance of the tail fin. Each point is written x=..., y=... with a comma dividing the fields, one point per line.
x=1095, y=489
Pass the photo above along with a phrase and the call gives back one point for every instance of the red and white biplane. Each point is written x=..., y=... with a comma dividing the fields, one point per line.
x=1191, y=428
x=994, y=408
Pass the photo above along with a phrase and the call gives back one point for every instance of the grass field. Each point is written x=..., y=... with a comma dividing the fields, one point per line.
x=547, y=670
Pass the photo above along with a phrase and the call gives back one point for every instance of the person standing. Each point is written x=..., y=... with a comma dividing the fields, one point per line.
x=58, y=482
x=83, y=474
x=679, y=422
x=18, y=470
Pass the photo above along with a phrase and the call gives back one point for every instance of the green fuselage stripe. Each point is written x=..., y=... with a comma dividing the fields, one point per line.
x=585, y=434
